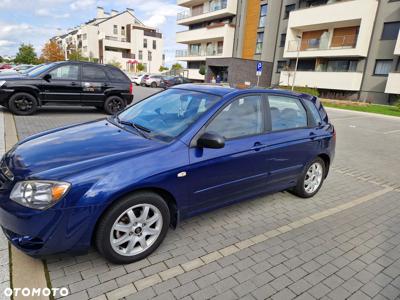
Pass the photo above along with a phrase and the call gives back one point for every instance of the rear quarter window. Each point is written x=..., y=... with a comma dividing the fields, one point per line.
x=314, y=111
x=116, y=75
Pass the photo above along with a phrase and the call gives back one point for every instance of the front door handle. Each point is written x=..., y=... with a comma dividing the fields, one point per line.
x=73, y=83
x=258, y=146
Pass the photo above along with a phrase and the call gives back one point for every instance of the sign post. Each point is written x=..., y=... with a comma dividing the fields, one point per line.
x=259, y=71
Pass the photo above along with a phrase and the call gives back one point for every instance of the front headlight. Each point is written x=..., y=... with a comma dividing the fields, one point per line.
x=39, y=194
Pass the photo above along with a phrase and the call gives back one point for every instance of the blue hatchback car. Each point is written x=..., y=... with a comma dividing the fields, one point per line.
x=121, y=182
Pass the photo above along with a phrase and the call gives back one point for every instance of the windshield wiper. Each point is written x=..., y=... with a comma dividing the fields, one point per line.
x=143, y=131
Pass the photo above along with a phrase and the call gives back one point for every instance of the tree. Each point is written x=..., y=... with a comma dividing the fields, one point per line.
x=76, y=55
x=176, y=66
x=140, y=67
x=52, y=52
x=26, y=55
x=202, y=70
x=162, y=69
x=1, y=59
x=115, y=63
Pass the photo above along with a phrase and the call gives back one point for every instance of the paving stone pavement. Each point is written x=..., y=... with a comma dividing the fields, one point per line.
x=238, y=252
x=4, y=256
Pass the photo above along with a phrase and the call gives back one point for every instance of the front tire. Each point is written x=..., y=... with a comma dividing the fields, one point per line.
x=23, y=104
x=132, y=228
x=311, y=180
x=153, y=85
x=114, y=104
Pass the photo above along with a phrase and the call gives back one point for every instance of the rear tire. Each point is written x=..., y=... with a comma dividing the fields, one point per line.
x=122, y=235
x=114, y=104
x=311, y=180
x=23, y=104
x=154, y=84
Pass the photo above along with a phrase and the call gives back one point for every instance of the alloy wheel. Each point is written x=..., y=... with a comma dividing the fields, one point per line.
x=136, y=229
x=313, y=178
x=23, y=103
x=115, y=105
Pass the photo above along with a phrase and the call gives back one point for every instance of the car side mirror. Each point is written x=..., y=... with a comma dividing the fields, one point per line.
x=47, y=77
x=211, y=140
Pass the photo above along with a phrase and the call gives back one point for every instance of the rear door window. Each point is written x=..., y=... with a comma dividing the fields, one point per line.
x=116, y=75
x=286, y=113
x=93, y=73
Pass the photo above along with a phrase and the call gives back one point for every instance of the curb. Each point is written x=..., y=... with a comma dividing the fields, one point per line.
x=366, y=114
x=26, y=272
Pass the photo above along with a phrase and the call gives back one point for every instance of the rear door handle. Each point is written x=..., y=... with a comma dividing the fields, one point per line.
x=258, y=146
x=73, y=83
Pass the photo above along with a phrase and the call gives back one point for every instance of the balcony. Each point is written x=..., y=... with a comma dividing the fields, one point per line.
x=397, y=49
x=219, y=10
x=392, y=85
x=209, y=33
x=347, y=81
x=189, y=3
x=115, y=42
x=330, y=17
x=202, y=54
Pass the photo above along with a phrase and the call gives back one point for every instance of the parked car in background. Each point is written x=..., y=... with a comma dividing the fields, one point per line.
x=5, y=66
x=153, y=81
x=120, y=183
x=73, y=83
x=170, y=81
x=19, y=69
x=137, y=79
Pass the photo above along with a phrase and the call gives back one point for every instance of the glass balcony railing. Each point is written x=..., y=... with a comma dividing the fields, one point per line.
x=212, y=8
x=208, y=52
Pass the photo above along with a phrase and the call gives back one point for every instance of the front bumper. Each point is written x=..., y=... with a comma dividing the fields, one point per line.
x=4, y=95
x=51, y=231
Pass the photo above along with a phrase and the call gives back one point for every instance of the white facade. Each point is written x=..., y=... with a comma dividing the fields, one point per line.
x=347, y=81
x=211, y=32
x=393, y=81
x=116, y=37
x=328, y=17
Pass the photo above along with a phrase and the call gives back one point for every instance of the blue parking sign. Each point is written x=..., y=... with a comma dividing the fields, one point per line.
x=259, y=66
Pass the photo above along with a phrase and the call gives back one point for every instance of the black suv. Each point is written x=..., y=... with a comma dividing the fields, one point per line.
x=74, y=83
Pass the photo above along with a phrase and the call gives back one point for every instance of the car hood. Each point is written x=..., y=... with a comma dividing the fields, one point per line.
x=65, y=151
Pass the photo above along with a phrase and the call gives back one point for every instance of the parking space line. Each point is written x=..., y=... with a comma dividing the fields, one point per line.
x=226, y=251
x=392, y=131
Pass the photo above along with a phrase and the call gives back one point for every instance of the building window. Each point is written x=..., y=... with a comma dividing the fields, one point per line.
x=288, y=9
x=149, y=56
x=263, y=15
x=383, y=67
x=122, y=30
x=259, y=45
x=154, y=44
x=84, y=36
x=84, y=48
x=281, y=66
x=283, y=40
x=390, y=31
x=220, y=47
x=115, y=31
x=145, y=43
x=140, y=55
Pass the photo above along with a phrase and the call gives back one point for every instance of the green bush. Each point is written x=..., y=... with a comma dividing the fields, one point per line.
x=304, y=90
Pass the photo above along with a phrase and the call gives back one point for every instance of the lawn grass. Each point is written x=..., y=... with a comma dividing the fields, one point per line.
x=371, y=108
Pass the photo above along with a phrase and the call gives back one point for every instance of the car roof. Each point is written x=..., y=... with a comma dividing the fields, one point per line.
x=221, y=90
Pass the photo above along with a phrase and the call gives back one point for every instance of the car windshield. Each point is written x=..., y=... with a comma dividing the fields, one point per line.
x=167, y=114
x=36, y=71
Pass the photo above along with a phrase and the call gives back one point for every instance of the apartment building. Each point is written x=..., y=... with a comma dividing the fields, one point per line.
x=344, y=48
x=116, y=37
x=210, y=32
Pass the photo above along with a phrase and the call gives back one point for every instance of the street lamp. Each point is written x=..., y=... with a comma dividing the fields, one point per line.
x=297, y=59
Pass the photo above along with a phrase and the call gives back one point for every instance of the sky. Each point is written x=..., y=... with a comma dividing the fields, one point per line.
x=35, y=21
